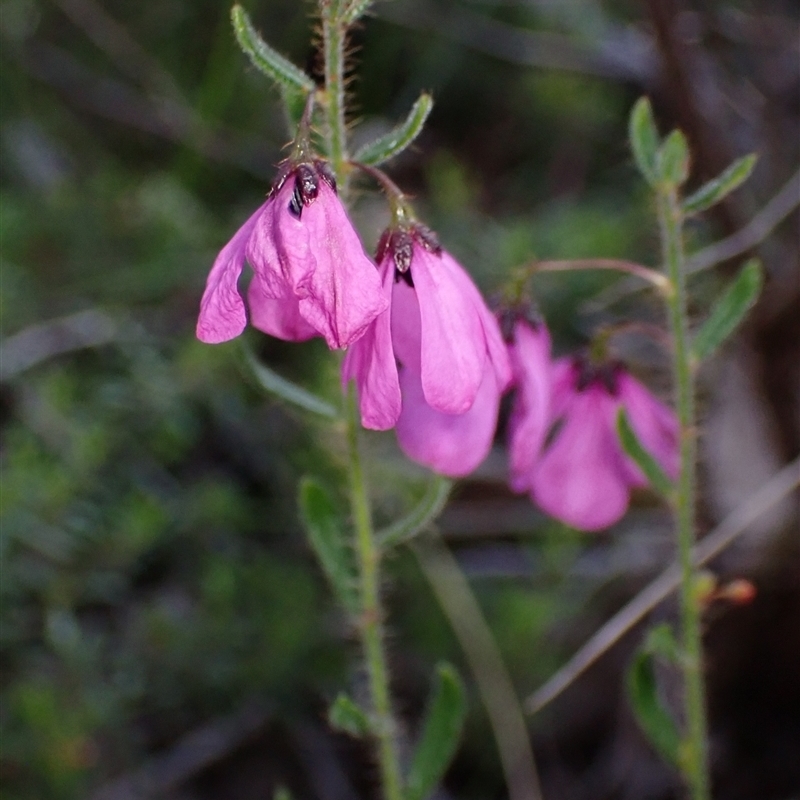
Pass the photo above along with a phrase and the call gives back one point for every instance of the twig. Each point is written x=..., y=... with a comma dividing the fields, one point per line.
x=625, y=55
x=37, y=343
x=657, y=279
x=736, y=523
x=486, y=663
x=759, y=227
x=752, y=234
x=121, y=48
x=122, y=102
x=193, y=753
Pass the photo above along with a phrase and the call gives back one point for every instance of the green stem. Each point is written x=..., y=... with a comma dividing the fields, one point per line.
x=696, y=755
x=334, y=31
x=371, y=614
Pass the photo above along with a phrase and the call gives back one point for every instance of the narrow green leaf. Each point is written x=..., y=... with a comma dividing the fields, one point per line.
x=441, y=730
x=711, y=193
x=288, y=391
x=672, y=160
x=646, y=463
x=729, y=310
x=422, y=515
x=644, y=139
x=660, y=641
x=344, y=715
x=328, y=538
x=653, y=718
x=289, y=78
x=398, y=139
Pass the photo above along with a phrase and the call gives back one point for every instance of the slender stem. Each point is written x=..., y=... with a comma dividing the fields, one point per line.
x=657, y=279
x=371, y=614
x=334, y=31
x=696, y=763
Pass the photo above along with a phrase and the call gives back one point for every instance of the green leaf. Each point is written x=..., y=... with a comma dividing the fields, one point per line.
x=282, y=793
x=289, y=78
x=711, y=193
x=660, y=641
x=398, y=139
x=656, y=722
x=729, y=310
x=672, y=160
x=422, y=515
x=644, y=139
x=328, y=538
x=288, y=391
x=441, y=730
x=344, y=715
x=646, y=463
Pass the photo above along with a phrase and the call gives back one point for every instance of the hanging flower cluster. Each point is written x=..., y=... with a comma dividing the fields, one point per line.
x=428, y=357
x=563, y=441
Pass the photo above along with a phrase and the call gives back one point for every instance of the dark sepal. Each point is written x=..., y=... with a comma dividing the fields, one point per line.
x=427, y=238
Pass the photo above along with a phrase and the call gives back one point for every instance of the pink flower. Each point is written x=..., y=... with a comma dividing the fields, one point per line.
x=312, y=275
x=434, y=365
x=582, y=475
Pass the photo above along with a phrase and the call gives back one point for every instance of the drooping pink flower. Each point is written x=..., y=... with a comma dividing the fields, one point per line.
x=434, y=365
x=311, y=274
x=582, y=474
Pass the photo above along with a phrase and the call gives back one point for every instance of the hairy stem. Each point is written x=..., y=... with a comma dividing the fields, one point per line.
x=334, y=32
x=370, y=624
x=368, y=554
x=696, y=754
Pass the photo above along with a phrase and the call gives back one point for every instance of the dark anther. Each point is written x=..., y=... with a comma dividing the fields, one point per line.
x=296, y=203
x=402, y=250
x=307, y=182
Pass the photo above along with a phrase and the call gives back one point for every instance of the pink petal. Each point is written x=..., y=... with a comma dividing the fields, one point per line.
x=222, y=315
x=453, y=345
x=338, y=286
x=654, y=423
x=277, y=316
x=450, y=444
x=406, y=328
x=530, y=416
x=563, y=378
x=495, y=345
x=580, y=478
x=371, y=363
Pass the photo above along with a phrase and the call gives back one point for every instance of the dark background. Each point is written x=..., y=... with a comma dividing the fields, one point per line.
x=165, y=632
